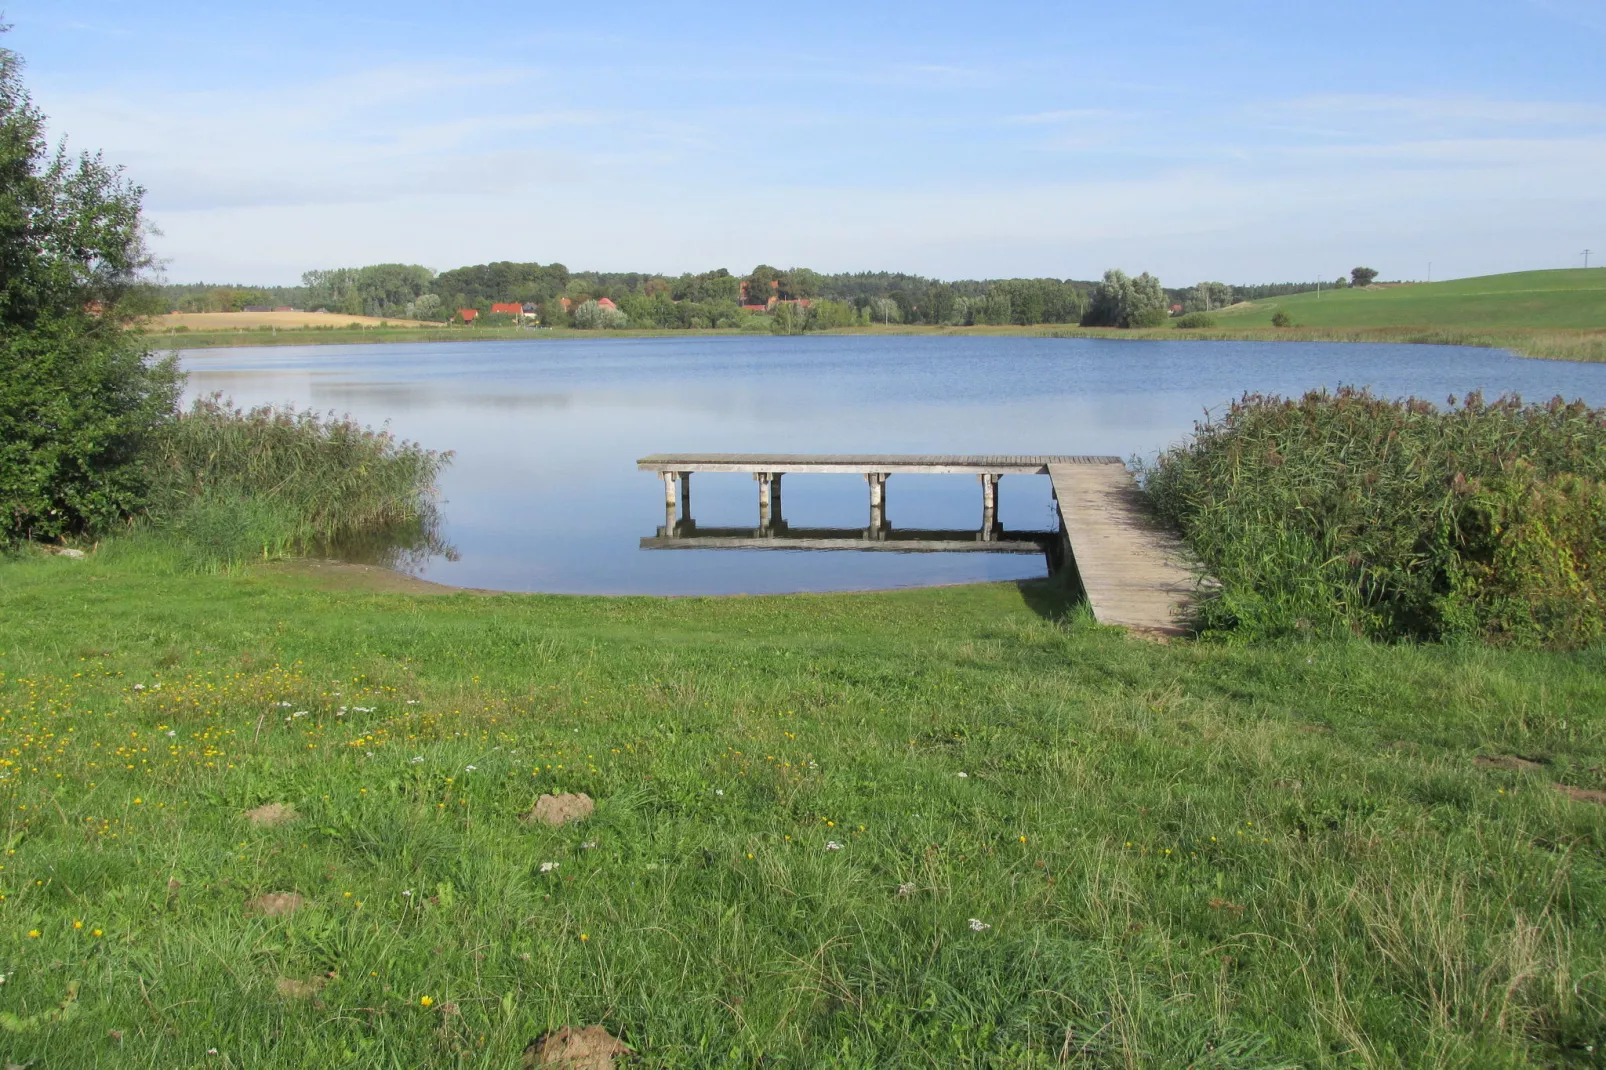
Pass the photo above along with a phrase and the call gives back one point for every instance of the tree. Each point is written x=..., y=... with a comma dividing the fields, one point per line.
x=79, y=394
x=762, y=285
x=591, y=315
x=1207, y=297
x=1362, y=276
x=1122, y=301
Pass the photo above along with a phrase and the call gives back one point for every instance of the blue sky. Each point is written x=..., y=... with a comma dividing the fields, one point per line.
x=1241, y=142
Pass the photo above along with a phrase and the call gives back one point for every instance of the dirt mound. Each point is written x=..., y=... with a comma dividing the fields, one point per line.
x=271, y=814
x=557, y=810
x=591, y=1048
x=274, y=904
x=1514, y=763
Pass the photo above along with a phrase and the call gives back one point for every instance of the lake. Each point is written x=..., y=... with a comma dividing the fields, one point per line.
x=544, y=495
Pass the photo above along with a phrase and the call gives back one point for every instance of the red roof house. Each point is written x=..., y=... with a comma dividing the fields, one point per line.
x=508, y=308
x=468, y=314
x=606, y=302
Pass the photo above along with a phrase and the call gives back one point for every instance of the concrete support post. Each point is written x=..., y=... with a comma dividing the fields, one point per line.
x=878, y=489
x=763, y=479
x=669, y=489
x=989, y=506
x=685, y=495
x=775, y=497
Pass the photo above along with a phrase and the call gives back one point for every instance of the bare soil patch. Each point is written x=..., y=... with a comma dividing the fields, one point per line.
x=290, y=988
x=557, y=810
x=591, y=1048
x=270, y=814
x=1582, y=794
x=1512, y=762
x=274, y=904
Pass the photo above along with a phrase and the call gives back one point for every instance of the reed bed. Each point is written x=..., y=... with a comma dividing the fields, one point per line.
x=1396, y=519
x=269, y=481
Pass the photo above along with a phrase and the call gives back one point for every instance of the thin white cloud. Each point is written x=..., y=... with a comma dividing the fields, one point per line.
x=1443, y=110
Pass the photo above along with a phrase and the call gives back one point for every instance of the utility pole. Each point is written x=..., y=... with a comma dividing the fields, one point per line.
x=1430, y=271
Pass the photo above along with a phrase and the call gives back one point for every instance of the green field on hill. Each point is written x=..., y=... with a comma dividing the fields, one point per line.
x=1567, y=299
x=270, y=818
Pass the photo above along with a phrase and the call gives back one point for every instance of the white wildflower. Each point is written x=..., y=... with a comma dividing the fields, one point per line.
x=408, y=893
x=469, y=768
x=832, y=845
x=719, y=791
x=171, y=734
x=588, y=845
x=978, y=926
x=963, y=776
x=139, y=687
x=906, y=890
x=548, y=867
x=418, y=759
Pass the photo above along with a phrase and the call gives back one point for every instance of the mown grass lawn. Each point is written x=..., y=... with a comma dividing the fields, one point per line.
x=930, y=828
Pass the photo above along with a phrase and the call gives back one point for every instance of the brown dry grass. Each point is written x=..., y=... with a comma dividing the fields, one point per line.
x=237, y=321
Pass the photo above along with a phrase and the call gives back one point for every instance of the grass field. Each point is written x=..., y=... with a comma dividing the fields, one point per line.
x=1532, y=300
x=930, y=828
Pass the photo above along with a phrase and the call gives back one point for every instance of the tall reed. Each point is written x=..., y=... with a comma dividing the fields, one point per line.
x=274, y=480
x=1395, y=519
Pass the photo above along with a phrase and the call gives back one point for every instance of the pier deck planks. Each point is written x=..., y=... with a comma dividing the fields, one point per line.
x=1134, y=571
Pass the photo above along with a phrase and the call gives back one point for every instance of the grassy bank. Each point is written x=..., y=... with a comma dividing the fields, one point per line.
x=1322, y=854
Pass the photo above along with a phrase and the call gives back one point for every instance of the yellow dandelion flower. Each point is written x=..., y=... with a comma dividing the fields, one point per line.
x=33, y=934
x=77, y=924
x=425, y=1002
x=583, y=936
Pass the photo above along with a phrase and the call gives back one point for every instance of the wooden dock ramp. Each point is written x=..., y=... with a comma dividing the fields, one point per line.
x=1135, y=572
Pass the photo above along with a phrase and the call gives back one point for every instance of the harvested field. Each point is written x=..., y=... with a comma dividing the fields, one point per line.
x=250, y=321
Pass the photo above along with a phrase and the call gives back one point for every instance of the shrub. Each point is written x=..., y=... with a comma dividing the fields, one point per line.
x=1281, y=319
x=1394, y=519
x=1191, y=321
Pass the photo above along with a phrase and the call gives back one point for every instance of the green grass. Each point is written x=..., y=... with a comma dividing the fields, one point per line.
x=1186, y=855
x=1573, y=299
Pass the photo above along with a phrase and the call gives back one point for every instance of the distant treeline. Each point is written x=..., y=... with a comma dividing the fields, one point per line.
x=716, y=298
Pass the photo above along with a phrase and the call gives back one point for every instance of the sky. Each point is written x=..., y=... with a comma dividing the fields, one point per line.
x=1241, y=142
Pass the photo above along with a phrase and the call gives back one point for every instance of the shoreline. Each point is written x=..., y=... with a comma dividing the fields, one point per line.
x=1584, y=346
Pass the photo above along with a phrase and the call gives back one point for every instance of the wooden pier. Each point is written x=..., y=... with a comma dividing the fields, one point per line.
x=1134, y=573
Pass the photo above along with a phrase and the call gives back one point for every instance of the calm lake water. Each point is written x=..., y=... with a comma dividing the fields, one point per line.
x=544, y=494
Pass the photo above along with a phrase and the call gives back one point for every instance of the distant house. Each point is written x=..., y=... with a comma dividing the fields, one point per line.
x=284, y=308
x=1176, y=310
x=565, y=302
x=606, y=303
x=469, y=314
x=530, y=309
x=755, y=308
x=507, y=308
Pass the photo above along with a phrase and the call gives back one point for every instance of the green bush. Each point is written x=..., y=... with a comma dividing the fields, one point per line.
x=1281, y=319
x=1195, y=320
x=1346, y=513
